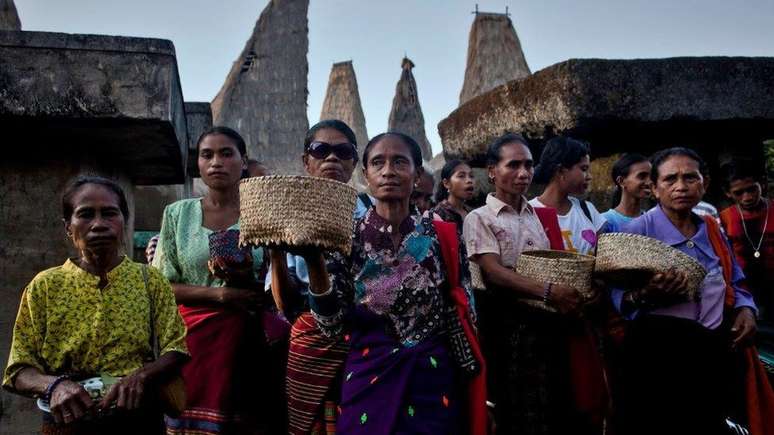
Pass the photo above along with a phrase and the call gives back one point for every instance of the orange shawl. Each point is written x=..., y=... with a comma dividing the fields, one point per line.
x=758, y=392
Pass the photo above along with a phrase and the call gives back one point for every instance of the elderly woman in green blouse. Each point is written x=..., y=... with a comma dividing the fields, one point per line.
x=95, y=316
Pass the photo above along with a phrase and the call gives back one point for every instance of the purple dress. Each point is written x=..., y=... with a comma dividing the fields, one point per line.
x=391, y=306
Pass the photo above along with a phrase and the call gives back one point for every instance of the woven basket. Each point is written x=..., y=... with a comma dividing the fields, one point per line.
x=558, y=267
x=628, y=261
x=296, y=211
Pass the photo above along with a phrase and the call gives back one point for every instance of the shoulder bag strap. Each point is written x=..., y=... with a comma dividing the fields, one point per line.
x=154, y=342
x=447, y=238
x=365, y=199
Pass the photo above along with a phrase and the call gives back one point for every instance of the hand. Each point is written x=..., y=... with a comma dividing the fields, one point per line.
x=744, y=327
x=239, y=298
x=595, y=293
x=232, y=272
x=666, y=288
x=566, y=299
x=311, y=254
x=69, y=402
x=126, y=393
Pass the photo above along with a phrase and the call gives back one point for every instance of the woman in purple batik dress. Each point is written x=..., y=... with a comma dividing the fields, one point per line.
x=389, y=299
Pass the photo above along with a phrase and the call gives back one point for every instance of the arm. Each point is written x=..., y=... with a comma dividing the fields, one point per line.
x=69, y=401
x=128, y=393
x=166, y=261
x=745, y=311
x=483, y=248
x=173, y=353
x=25, y=373
x=330, y=284
x=285, y=287
x=503, y=277
x=565, y=299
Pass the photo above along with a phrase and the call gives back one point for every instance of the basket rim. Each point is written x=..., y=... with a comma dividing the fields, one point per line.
x=290, y=178
x=652, y=241
x=574, y=256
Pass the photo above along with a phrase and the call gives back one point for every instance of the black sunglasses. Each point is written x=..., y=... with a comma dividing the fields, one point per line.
x=321, y=150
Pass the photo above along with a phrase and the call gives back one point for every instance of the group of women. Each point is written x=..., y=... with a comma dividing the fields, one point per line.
x=387, y=339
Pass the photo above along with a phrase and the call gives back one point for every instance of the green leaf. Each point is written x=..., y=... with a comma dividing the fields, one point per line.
x=433, y=362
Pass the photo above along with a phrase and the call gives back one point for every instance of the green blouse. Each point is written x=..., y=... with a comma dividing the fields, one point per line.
x=184, y=248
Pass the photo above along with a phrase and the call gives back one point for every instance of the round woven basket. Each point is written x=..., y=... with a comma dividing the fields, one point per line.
x=296, y=211
x=628, y=261
x=557, y=267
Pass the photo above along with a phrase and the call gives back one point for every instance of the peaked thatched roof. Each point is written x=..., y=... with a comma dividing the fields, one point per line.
x=9, y=18
x=342, y=101
x=494, y=55
x=406, y=114
x=264, y=95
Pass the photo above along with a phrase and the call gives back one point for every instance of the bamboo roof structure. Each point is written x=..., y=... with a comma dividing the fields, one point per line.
x=264, y=96
x=495, y=56
x=9, y=17
x=406, y=114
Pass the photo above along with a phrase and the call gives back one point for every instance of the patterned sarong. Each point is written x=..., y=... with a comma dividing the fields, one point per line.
x=226, y=370
x=314, y=367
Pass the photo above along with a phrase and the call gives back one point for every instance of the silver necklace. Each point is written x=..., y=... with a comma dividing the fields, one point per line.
x=757, y=249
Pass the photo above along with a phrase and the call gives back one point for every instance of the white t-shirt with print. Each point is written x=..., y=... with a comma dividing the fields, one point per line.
x=579, y=233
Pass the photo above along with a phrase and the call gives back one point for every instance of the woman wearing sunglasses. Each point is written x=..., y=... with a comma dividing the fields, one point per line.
x=330, y=151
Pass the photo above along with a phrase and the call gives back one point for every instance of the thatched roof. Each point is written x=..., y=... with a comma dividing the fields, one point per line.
x=702, y=102
x=494, y=55
x=264, y=95
x=406, y=114
x=342, y=101
x=9, y=18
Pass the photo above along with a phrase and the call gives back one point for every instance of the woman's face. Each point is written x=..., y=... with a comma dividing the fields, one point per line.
x=390, y=170
x=637, y=183
x=96, y=225
x=513, y=173
x=461, y=183
x=331, y=166
x=220, y=163
x=679, y=186
x=576, y=180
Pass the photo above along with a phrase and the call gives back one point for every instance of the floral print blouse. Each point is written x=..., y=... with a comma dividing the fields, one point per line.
x=407, y=286
x=68, y=324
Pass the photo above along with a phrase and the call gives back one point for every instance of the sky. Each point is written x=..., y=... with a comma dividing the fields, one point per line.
x=375, y=35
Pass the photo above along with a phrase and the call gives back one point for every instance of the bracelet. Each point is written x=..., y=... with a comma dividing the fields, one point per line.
x=317, y=295
x=52, y=386
x=547, y=292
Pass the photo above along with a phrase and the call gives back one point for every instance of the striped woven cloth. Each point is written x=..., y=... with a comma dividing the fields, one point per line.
x=314, y=366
